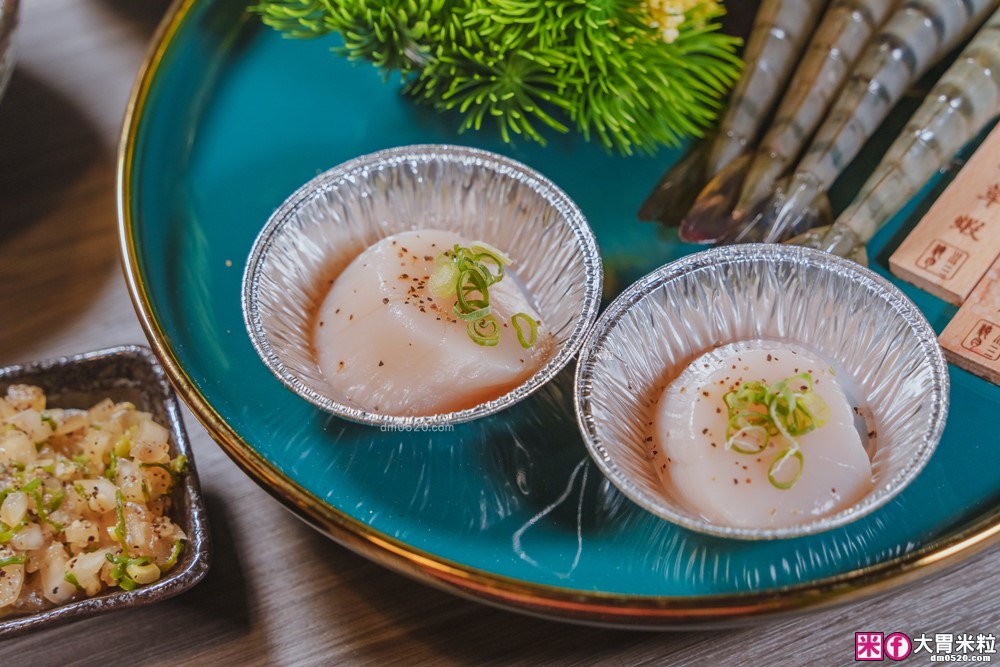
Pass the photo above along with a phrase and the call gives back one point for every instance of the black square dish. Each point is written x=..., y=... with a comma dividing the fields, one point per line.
x=126, y=373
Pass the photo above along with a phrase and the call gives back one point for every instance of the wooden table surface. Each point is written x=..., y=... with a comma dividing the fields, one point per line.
x=279, y=593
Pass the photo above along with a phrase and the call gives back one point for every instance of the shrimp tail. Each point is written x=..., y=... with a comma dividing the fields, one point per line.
x=763, y=173
x=709, y=219
x=794, y=208
x=676, y=190
x=837, y=239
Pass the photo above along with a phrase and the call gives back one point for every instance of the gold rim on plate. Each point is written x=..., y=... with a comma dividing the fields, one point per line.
x=656, y=612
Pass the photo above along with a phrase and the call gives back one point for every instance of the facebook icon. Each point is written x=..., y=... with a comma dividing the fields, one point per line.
x=897, y=646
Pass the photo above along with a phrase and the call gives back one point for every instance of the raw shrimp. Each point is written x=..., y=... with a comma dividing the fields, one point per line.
x=918, y=35
x=842, y=35
x=779, y=33
x=964, y=100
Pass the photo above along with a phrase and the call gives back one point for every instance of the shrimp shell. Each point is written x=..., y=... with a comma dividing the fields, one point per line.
x=779, y=34
x=959, y=106
x=918, y=35
x=844, y=31
x=843, y=34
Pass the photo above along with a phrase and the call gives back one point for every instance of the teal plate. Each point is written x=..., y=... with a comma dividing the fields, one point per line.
x=226, y=121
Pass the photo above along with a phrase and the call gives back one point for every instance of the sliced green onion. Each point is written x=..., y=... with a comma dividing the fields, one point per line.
x=788, y=408
x=497, y=255
x=47, y=418
x=175, y=468
x=7, y=535
x=123, y=446
x=175, y=553
x=474, y=315
x=119, y=573
x=42, y=509
x=120, y=523
x=815, y=408
x=70, y=578
x=179, y=465
x=112, y=470
x=485, y=331
x=443, y=277
x=757, y=443
x=143, y=574
x=32, y=485
x=532, y=337
x=791, y=452
x=13, y=560
x=468, y=273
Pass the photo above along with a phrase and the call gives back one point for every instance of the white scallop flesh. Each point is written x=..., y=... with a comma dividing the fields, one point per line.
x=386, y=345
x=729, y=488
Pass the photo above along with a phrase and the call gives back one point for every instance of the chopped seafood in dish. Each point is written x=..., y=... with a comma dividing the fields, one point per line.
x=85, y=500
x=780, y=30
x=843, y=33
x=961, y=104
x=425, y=322
x=760, y=434
x=917, y=36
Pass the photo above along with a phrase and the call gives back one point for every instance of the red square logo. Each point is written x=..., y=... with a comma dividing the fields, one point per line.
x=868, y=646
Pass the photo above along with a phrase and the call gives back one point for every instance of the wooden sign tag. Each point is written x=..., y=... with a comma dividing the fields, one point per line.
x=972, y=339
x=951, y=248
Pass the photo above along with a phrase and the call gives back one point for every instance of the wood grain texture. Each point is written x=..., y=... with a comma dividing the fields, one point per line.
x=957, y=240
x=278, y=593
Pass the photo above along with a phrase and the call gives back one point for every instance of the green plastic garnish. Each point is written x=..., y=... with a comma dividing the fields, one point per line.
x=631, y=74
x=758, y=412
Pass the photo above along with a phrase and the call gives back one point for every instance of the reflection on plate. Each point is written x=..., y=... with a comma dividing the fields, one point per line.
x=509, y=508
x=127, y=373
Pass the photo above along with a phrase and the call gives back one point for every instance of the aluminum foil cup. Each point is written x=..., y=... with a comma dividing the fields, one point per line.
x=865, y=327
x=334, y=217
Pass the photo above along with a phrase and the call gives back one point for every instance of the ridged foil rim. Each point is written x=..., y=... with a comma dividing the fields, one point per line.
x=634, y=296
x=569, y=213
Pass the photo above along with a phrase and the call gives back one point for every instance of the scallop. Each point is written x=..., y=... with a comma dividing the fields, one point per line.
x=731, y=488
x=386, y=344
